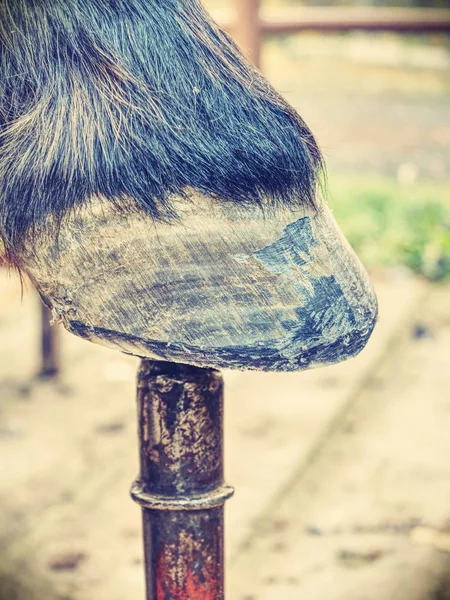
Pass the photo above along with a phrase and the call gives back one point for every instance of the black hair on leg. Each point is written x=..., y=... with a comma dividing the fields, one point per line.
x=141, y=99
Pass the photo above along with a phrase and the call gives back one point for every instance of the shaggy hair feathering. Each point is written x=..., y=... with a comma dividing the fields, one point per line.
x=141, y=99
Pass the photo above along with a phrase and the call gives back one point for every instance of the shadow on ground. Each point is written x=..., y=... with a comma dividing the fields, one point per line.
x=14, y=586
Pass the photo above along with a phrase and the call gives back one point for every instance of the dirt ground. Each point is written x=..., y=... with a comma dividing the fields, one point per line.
x=377, y=103
x=342, y=474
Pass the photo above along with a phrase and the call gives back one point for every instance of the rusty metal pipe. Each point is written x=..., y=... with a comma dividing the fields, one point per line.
x=180, y=487
x=50, y=364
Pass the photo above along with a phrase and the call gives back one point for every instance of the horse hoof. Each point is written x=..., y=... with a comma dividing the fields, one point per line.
x=162, y=195
x=222, y=286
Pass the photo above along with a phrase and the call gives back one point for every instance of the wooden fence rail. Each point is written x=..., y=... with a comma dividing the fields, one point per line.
x=252, y=22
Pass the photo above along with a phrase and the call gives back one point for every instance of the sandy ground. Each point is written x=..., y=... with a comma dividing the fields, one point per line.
x=342, y=474
x=377, y=103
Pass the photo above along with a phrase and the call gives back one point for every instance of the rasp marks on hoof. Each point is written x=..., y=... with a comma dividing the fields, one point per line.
x=315, y=307
x=256, y=358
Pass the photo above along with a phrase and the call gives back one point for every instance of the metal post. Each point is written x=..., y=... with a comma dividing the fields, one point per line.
x=181, y=488
x=247, y=31
x=49, y=345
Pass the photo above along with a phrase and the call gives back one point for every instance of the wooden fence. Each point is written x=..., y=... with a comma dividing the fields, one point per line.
x=252, y=21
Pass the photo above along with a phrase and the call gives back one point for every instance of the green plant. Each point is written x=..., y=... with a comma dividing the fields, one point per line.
x=390, y=224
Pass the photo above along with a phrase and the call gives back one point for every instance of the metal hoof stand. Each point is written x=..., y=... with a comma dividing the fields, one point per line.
x=180, y=487
x=50, y=365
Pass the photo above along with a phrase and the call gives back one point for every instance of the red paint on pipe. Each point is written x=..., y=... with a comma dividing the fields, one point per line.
x=183, y=583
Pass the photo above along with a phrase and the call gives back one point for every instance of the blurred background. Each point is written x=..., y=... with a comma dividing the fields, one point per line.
x=342, y=474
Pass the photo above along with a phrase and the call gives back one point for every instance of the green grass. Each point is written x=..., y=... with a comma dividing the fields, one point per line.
x=389, y=224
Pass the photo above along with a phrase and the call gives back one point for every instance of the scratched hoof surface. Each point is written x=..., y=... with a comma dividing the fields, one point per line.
x=222, y=286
